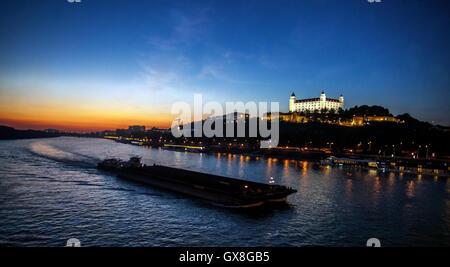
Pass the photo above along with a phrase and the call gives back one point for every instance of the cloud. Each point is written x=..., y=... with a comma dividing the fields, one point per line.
x=184, y=29
x=210, y=71
x=168, y=65
x=191, y=27
x=175, y=59
x=161, y=43
x=231, y=57
x=157, y=80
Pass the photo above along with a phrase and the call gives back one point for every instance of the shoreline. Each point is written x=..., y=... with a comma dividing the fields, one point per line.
x=389, y=164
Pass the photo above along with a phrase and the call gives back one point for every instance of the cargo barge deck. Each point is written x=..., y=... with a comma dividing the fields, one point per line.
x=223, y=191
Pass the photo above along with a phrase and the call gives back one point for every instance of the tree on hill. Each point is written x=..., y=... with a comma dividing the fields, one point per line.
x=365, y=110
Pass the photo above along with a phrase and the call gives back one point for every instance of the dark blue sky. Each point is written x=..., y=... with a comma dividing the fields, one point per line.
x=140, y=56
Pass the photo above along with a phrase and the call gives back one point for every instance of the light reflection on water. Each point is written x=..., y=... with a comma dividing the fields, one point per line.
x=50, y=190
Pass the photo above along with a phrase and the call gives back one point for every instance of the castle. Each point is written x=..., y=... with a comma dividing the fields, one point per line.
x=315, y=104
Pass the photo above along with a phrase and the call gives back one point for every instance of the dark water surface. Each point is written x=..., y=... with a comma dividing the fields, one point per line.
x=50, y=191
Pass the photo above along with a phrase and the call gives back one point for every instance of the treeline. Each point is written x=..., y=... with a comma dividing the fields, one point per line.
x=363, y=110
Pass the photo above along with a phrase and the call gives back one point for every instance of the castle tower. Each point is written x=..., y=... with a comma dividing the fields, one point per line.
x=341, y=99
x=292, y=103
x=322, y=97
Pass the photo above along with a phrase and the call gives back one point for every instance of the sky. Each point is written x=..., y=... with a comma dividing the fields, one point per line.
x=107, y=64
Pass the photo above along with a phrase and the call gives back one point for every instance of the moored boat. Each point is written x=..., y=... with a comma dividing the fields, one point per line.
x=349, y=161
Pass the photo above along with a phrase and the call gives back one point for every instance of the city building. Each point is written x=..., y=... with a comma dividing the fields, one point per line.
x=109, y=133
x=363, y=120
x=315, y=104
x=158, y=130
x=52, y=131
x=296, y=117
x=136, y=128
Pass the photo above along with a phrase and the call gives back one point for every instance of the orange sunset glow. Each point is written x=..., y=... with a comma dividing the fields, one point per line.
x=24, y=113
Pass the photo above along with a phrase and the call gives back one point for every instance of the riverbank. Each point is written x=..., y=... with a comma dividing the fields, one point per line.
x=427, y=167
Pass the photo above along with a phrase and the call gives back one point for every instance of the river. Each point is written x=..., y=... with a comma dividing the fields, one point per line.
x=50, y=191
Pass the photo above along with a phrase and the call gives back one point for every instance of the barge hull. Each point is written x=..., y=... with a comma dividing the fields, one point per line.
x=225, y=200
x=227, y=192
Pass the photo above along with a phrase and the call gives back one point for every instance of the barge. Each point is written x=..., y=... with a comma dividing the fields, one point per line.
x=220, y=190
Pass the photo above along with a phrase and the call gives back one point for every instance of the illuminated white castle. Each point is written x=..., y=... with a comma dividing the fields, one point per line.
x=313, y=104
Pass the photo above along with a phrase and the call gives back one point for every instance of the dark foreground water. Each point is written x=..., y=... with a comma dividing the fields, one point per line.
x=50, y=191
